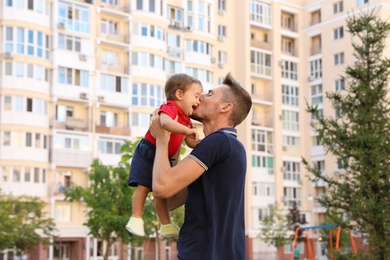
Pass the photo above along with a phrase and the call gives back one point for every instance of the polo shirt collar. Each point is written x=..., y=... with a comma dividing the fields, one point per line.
x=231, y=131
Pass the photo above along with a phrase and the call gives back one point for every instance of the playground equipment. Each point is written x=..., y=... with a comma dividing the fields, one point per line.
x=311, y=255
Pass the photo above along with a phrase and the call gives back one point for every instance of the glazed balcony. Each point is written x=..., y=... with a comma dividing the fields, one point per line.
x=101, y=129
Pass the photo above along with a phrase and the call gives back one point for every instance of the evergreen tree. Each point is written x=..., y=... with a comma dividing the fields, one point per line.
x=359, y=137
x=294, y=219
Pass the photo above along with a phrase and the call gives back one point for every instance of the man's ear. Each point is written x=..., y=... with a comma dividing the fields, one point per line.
x=179, y=94
x=226, y=107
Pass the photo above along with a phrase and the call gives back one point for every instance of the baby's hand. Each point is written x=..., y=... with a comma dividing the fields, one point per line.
x=192, y=133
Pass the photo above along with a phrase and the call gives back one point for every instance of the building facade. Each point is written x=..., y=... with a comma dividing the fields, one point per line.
x=77, y=78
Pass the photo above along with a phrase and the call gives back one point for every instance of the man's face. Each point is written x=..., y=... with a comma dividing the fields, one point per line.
x=209, y=104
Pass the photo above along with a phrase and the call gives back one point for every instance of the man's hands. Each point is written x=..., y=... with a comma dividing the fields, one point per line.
x=157, y=131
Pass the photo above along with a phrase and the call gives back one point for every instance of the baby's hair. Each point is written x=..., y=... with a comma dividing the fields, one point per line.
x=178, y=81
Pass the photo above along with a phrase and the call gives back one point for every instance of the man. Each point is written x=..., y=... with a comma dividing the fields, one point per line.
x=214, y=173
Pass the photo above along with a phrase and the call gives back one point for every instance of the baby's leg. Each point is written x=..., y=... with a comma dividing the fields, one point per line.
x=138, y=202
x=161, y=207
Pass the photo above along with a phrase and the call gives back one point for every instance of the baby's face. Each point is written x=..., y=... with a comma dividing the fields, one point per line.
x=190, y=100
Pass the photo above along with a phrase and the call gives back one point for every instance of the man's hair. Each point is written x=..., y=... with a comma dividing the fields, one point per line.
x=178, y=81
x=239, y=97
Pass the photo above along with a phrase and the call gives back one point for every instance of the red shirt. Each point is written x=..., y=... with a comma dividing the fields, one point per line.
x=172, y=109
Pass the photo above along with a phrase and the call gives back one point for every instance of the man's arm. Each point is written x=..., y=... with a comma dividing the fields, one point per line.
x=178, y=199
x=168, y=181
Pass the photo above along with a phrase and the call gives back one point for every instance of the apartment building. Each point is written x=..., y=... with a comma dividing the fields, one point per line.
x=78, y=77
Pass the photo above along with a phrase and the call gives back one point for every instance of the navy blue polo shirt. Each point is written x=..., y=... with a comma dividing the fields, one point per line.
x=214, y=226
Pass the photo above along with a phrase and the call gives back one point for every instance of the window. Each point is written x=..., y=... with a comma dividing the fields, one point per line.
x=222, y=31
x=29, y=104
x=339, y=84
x=338, y=7
x=290, y=95
x=222, y=57
x=316, y=94
x=75, y=17
x=6, y=138
x=36, y=175
x=222, y=5
x=8, y=68
x=290, y=70
x=290, y=120
x=28, y=139
x=108, y=119
x=140, y=119
x=62, y=212
x=338, y=33
x=261, y=140
x=7, y=103
x=291, y=171
x=67, y=141
x=30, y=42
x=37, y=140
x=152, y=6
x=73, y=76
x=114, y=83
x=292, y=195
x=201, y=74
x=260, y=63
x=110, y=58
x=263, y=189
x=31, y=4
x=260, y=12
x=362, y=2
x=110, y=145
x=139, y=4
x=27, y=174
x=70, y=43
x=291, y=140
x=109, y=27
x=339, y=58
x=9, y=46
x=16, y=174
x=175, y=14
x=19, y=71
x=263, y=161
x=315, y=69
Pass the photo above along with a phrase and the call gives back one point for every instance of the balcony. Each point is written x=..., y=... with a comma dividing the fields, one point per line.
x=261, y=70
x=119, y=10
x=71, y=123
x=123, y=69
x=70, y=157
x=262, y=121
x=290, y=52
x=101, y=129
x=315, y=50
x=261, y=45
x=174, y=52
x=315, y=17
x=114, y=40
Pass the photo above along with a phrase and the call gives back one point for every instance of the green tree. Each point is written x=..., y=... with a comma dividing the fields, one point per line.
x=359, y=137
x=23, y=223
x=275, y=229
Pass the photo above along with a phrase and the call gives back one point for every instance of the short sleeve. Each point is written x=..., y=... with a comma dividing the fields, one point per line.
x=212, y=150
x=169, y=109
